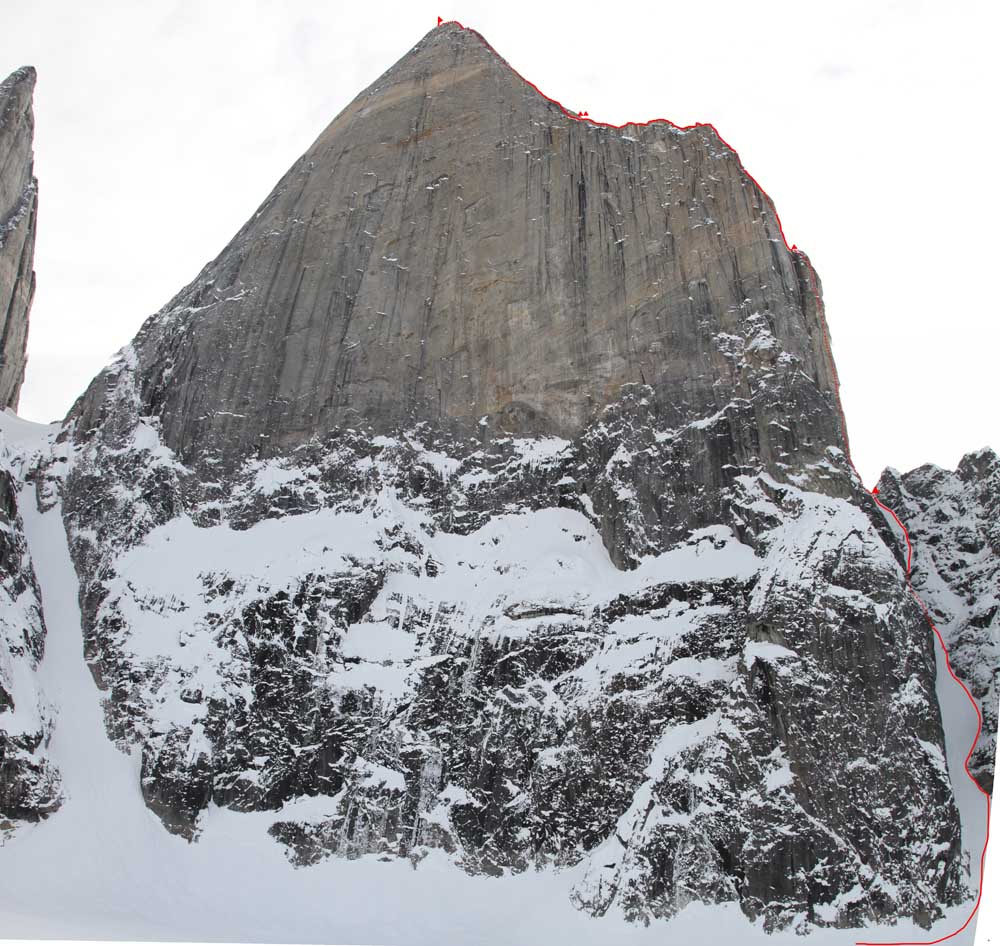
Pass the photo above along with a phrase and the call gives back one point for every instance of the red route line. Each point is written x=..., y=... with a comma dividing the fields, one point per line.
x=576, y=116
x=979, y=729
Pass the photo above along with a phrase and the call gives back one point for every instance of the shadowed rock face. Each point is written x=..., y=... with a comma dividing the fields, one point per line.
x=454, y=247
x=18, y=205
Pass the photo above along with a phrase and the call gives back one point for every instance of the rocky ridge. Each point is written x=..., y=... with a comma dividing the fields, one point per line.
x=29, y=782
x=953, y=520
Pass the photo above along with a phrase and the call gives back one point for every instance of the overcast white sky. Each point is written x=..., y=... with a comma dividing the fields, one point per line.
x=161, y=126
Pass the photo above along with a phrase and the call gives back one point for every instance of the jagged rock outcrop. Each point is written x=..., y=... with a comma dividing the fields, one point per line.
x=29, y=782
x=953, y=520
x=489, y=493
x=18, y=207
x=399, y=648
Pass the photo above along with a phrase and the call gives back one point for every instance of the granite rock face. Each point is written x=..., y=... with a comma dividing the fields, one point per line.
x=953, y=520
x=18, y=208
x=489, y=494
x=454, y=247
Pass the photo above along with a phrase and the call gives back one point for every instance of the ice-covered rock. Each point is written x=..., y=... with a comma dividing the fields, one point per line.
x=29, y=782
x=953, y=520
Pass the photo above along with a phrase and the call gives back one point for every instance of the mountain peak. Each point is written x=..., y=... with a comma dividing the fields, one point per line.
x=455, y=249
x=449, y=59
x=25, y=76
x=345, y=519
x=453, y=35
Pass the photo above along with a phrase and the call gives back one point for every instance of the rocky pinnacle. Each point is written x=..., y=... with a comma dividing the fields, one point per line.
x=18, y=207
